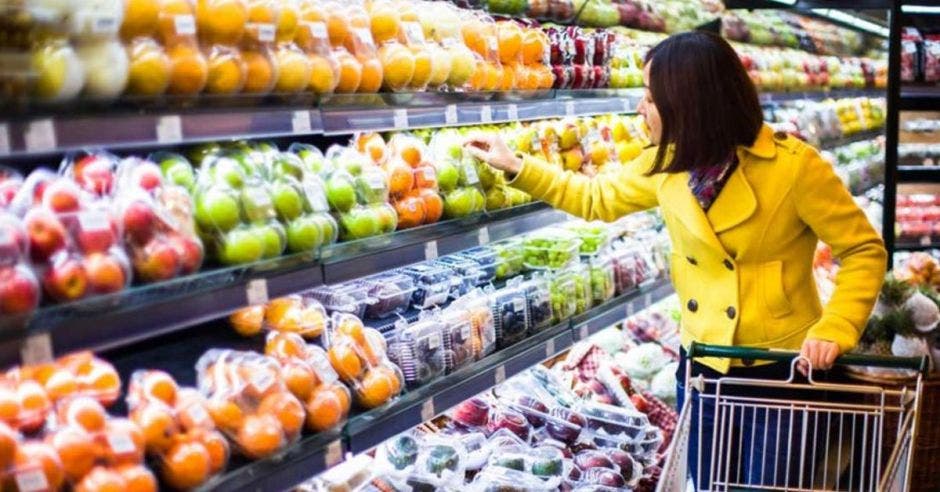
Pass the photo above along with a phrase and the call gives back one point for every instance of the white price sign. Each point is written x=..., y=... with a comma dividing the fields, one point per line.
x=40, y=136
x=628, y=106
x=31, y=481
x=37, y=349
x=300, y=122
x=400, y=119
x=483, y=236
x=512, y=112
x=486, y=114
x=334, y=453
x=584, y=332
x=450, y=114
x=185, y=25
x=257, y=292
x=430, y=250
x=170, y=129
x=4, y=139
x=317, y=29
x=550, y=348
x=266, y=33
x=569, y=108
x=630, y=309
x=427, y=410
x=499, y=375
x=647, y=300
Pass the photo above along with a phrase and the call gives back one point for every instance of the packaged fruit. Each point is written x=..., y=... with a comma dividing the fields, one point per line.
x=221, y=21
x=509, y=306
x=603, y=282
x=307, y=372
x=298, y=314
x=390, y=294
x=500, y=478
x=593, y=235
x=504, y=417
x=27, y=401
x=433, y=284
x=249, y=401
x=466, y=274
x=440, y=461
x=510, y=258
x=563, y=295
x=418, y=349
x=486, y=258
x=550, y=248
x=398, y=455
x=106, y=67
x=458, y=338
x=60, y=74
x=475, y=307
x=538, y=303
x=358, y=354
x=352, y=298
x=20, y=291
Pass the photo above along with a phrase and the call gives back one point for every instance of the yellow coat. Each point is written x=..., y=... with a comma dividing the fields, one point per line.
x=743, y=270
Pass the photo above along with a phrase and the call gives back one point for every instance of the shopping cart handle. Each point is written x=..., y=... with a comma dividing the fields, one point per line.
x=698, y=350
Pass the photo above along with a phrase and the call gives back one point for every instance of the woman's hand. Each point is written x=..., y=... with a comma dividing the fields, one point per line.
x=492, y=150
x=820, y=353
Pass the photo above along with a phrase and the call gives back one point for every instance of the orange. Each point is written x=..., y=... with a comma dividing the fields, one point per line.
x=345, y=361
x=84, y=412
x=474, y=37
x=60, y=384
x=299, y=379
x=286, y=408
x=507, y=79
x=9, y=405
x=157, y=425
x=9, y=440
x=353, y=327
x=324, y=410
x=260, y=436
x=371, y=76
x=534, y=44
x=218, y=450
x=194, y=414
x=35, y=454
x=509, y=38
x=260, y=78
x=186, y=465
x=493, y=76
x=337, y=25
x=261, y=381
x=263, y=11
x=377, y=387
x=227, y=71
x=441, y=65
x=546, y=77
x=284, y=345
x=226, y=414
x=372, y=145
x=411, y=212
x=425, y=177
x=324, y=74
x=282, y=314
x=478, y=78
x=400, y=178
x=189, y=71
x=248, y=321
x=123, y=442
x=384, y=22
x=34, y=403
x=160, y=385
x=350, y=72
x=80, y=363
x=411, y=154
x=398, y=65
x=104, y=381
x=433, y=205
x=424, y=66
x=342, y=394
x=293, y=69
x=288, y=21
x=76, y=449
x=140, y=18
x=138, y=478
x=221, y=21
x=102, y=479
x=167, y=18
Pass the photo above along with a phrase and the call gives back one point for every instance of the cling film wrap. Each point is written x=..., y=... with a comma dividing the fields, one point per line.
x=358, y=354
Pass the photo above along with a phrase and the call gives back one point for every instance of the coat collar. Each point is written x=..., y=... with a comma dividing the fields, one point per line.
x=763, y=146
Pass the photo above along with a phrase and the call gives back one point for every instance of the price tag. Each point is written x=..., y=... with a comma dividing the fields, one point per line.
x=628, y=106
x=486, y=114
x=471, y=172
x=483, y=236
x=170, y=129
x=430, y=250
x=185, y=25
x=376, y=181
x=647, y=300
x=365, y=36
x=512, y=112
x=413, y=32
x=569, y=108
x=465, y=331
x=266, y=33
x=317, y=29
x=584, y=332
x=4, y=139
x=36, y=349
x=31, y=481
x=427, y=410
x=630, y=309
x=300, y=122
x=334, y=453
x=261, y=381
x=550, y=348
x=499, y=375
x=257, y=292
x=491, y=44
x=94, y=221
x=450, y=114
x=518, y=304
x=121, y=443
x=434, y=341
x=40, y=136
x=400, y=119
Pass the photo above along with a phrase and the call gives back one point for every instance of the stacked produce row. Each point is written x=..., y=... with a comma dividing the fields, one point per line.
x=918, y=147
x=920, y=56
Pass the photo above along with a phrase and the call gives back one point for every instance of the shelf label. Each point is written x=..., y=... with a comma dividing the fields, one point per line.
x=499, y=375
x=427, y=410
x=630, y=309
x=512, y=112
x=925, y=241
x=569, y=108
x=37, y=349
x=4, y=139
x=317, y=29
x=486, y=114
x=170, y=129
x=121, y=443
x=647, y=300
x=430, y=250
x=400, y=119
x=334, y=453
x=584, y=332
x=413, y=32
x=31, y=481
x=185, y=25
x=300, y=122
x=40, y=136
x=628, y=106
x=550, y=348
x=483, y=236
x=434, y=341
x=450, y=114
x=257, y=292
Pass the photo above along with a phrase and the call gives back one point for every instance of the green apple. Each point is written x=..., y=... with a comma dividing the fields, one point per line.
x=340, y=192
x=313, y=159
x=459, y=203
x=360, y=223
x=569, y=137
x=178, y=171
x=304, y=234
x=273, y=238
x=287, y=200
x=241, y=246
x=226, y=169
x=198, y=153
x=388, y=218
x=489, y=176
x=497, y=198
x=447, y=177
x=468, y=173
x=287, y=164
x=257, y=204
x=478, y=200
x=372, y=186
x=217, y=209
x=328, y=227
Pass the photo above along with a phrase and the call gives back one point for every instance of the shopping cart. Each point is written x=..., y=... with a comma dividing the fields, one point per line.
x=798, y=436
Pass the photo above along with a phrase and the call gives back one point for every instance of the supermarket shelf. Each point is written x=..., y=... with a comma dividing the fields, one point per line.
x=920, y=99
x=806, y=4
x=918, y=174
x=916, y=246
x=777, y=97
x=144, y=312
x=850, y=139
x=371, y=428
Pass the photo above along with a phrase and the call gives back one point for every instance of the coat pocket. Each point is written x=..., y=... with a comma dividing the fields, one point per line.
x=771, y=282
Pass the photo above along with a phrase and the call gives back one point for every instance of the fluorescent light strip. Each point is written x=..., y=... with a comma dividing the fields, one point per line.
x=786, y=2
x=920, y=9
x=861, y=24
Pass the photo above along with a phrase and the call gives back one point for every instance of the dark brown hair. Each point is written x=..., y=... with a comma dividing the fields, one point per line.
x=706, y=101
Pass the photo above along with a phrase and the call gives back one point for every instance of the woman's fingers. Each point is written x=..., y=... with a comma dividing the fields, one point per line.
x=821, y=354
x=479, y=153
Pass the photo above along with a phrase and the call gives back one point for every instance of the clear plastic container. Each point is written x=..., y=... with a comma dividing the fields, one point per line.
x=603, y=281
x=538, y=303
x=488, y=260
x=558, y=423
x=397, y=456
x=418, y=349
x=627, y=269
x=564, y=291
x=359, y=356
x=432, y=284
x=499, y=479
x=441, y=461
x=348, y=298
x=551, y=248
x=510, y=256
x=472, y=413
x=510, y=311
x=593, y=235
x=467, y=274
x=390, y=292
x=457, y=331
x=510, y=419
x=298, y=314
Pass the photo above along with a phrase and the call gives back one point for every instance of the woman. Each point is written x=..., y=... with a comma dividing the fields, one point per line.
x=745, y=208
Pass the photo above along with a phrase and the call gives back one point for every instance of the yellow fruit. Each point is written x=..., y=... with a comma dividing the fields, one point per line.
x=288, y=21
x=510, y=41
x=384, y=22
x=441, y=67
x=189, y=71
x=60, y=73
x=262, y=73
x=170, y=13
x=371, y=76
x=140, y=18
x=149, y=73
x=463, y=65
x=398, y=66
x=221, y=21
x=324, y=74
x=227, y=71
x=262, y=12
x=424, y=67
x=350, y=72
x=293, y=69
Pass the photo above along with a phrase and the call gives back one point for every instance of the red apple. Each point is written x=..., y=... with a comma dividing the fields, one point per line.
x=158, y=260
x=62, y=196
x=65, y=280
x=147, y=175
x=46, y=234
x=94, y=173
x=19, y=290
x=105, y=273
x=190, y=252
x=139, y=221
x=8, y=190
x=95, y=232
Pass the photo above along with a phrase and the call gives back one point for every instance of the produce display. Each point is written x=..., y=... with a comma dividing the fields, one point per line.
x=917, y=217
x=920, y=57
x=359, y=356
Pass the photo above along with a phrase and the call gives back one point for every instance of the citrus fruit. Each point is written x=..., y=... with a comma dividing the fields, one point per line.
x=9, y=440
x=474, y=37
x=137, y=478
x=372, y=145
x=248, y=321
x=284, y=345
x=84, y=412
x=286, y=409
x=410, y=212
x=221, y=21
x=463, y=65
x=160, y=385
x=508, y=77
x=261, y=73
x=400, y=178
x=149, y=71
x=167, y=20
x=33, y=454
x=293, y=69
x=345, y=361
x=324, y=74
x=9, y=405
x=260, y=436
x=509, y=38
x=123, y=442
x=371, y=76
x=299, y=379
x=534, y=44
x=102, y=479
x=441, y=66
x=140, y=18
x=186, y=465
x=493, y=76
x=262, y=11
x=350, y=72
x=433, y=205
x=76, y=449
x=227, y=71
x=377, y=387
x=189, y=71
x=226, y=414
x=342, y=394
x=157, y=426
x=424, y=67
x=384, y=22
x=104, y=381
x=324, y=410
x=337, y=26
x=288, y=22
x=218, y=450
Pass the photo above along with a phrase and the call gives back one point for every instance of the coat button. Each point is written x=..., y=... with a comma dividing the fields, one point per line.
x=780, y=135
x=731, y=312
x=691, y=260
x=692, y=305
x=728, y=264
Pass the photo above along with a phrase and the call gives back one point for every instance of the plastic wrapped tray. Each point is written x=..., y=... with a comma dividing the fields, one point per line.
x=390, y=294
x=432, y=284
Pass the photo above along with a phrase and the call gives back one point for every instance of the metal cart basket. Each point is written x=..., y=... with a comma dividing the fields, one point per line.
x=791, y=435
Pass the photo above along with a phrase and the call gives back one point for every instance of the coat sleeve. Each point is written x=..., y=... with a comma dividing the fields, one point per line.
x=826, y=206
x=607, y=196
